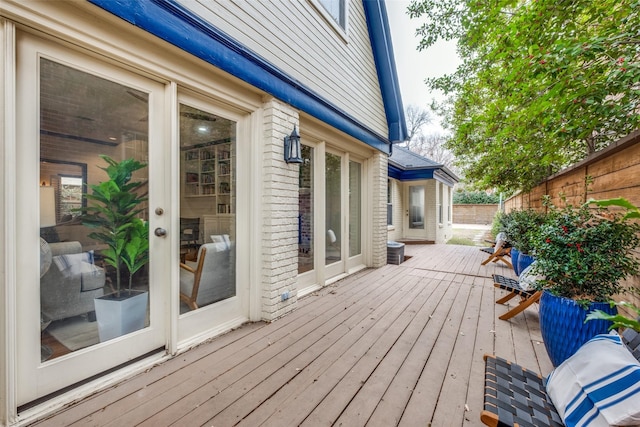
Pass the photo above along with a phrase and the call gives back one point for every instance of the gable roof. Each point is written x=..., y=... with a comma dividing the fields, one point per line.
x=405, y=165
x=172, y=22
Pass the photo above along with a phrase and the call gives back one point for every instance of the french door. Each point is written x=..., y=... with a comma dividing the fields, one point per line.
x=209, y=144
x=82, y=121
x=344, y=215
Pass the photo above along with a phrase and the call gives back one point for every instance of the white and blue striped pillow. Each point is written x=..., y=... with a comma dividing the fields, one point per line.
x=598, y=386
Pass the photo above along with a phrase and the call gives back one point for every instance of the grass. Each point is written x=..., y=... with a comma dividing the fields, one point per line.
x=461, y=241
x=468, y=237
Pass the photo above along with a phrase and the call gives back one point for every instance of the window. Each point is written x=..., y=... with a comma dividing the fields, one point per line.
x=337, y=10
x=305, y=211
x=389, y=203
x=440, y=202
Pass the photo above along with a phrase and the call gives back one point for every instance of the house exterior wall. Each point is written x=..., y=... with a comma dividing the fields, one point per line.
x=324, y=59
x=270, y=186
x=379, y=202
x=431, y=209
x=444, y=229
x=279, y=222
x=436, y=194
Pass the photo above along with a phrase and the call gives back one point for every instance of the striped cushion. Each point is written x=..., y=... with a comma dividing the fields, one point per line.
x=598, y=386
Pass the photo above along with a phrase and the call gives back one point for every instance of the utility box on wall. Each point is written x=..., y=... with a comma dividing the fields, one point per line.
x=395, y=252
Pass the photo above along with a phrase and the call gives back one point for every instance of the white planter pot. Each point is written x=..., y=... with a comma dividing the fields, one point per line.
x=119, y=316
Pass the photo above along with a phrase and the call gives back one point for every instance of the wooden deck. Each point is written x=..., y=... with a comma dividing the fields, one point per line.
x=398, y=345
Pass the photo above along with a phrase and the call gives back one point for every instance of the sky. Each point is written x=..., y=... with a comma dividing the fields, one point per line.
x=414, y=67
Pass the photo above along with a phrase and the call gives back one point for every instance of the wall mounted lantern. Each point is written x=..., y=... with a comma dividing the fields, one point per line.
x=292, y=152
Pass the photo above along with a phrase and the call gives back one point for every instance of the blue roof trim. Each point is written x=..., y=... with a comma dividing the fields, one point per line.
x=177, y=25
x=380, y=36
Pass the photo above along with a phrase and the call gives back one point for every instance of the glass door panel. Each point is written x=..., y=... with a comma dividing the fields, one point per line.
x=416, y=207
x=95, y=248
x=333, y=208
x=208, y=177
x=207, y=208
x=305, y=212
x=355, y=208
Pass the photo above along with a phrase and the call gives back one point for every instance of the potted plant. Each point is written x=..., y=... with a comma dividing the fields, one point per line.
x=583, y=253
x=113, y=209
x=520, y=226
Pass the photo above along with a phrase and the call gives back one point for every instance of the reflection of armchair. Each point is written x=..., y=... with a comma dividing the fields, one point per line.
x=71, y=283
x=210, y=278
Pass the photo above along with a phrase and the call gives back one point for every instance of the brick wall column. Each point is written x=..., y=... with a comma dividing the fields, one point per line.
x=379, y=167
x=280, y=214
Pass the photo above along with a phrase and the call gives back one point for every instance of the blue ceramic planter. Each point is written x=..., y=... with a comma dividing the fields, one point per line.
x=563, y=328
x=515, y=254
x=524, y=261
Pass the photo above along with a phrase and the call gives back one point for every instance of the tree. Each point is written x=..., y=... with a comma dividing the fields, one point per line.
x=432, y=145
x=542, y=83
x=417, y=118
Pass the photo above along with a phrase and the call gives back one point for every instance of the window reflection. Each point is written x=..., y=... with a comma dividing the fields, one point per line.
x=83, y=117
x=207, y=208
x=305, y=212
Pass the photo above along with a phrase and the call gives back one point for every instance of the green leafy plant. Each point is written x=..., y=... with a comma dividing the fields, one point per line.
x=584, y=253
x=521, y=226
x=475, y=198
x=114, y=206
x=540, y=85
x=619, y=320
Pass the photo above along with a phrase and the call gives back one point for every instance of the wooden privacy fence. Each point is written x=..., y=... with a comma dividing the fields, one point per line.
x=609, y=173
x=474, y=214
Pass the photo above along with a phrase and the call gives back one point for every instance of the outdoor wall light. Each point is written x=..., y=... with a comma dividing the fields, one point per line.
x=292, y=153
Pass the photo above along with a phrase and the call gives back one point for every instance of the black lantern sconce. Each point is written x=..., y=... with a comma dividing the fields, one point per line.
x=292, y=152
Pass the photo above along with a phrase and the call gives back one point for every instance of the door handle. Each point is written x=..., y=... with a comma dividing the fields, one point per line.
x=160, y=232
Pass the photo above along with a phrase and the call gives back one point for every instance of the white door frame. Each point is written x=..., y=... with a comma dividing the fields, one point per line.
x=33, y=378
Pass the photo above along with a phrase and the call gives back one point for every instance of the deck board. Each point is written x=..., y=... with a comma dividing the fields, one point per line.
x=397, y=345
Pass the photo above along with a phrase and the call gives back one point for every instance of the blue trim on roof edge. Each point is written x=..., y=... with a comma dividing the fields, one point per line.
x=403, y=175
x=175, y=24
x=380, y=36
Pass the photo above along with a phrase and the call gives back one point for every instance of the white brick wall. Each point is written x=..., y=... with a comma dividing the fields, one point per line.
x=379, y=166
x=280, y=214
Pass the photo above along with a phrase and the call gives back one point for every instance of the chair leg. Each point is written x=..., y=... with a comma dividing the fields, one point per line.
x=489, y=419
x=506, y=298
x=506, y=262
x=520, y=307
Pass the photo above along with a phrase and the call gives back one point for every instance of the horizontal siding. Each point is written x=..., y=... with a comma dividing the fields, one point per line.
x=295, y=37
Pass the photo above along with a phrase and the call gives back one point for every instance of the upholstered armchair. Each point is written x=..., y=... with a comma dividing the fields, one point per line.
x=210, y=278
x=71, y=283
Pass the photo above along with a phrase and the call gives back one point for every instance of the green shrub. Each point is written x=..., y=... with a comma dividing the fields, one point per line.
x=475, y=198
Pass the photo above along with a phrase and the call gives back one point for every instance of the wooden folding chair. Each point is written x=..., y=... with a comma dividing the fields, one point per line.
x=498, y=252
x=528, y=297
x=515, y=396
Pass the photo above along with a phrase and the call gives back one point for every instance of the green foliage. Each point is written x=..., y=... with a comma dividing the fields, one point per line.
x=584, y=253
x=542, y=83
x=475, y=198
x=499, y=224
x=619, y=320
x=112, y=211
x=521, y=227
